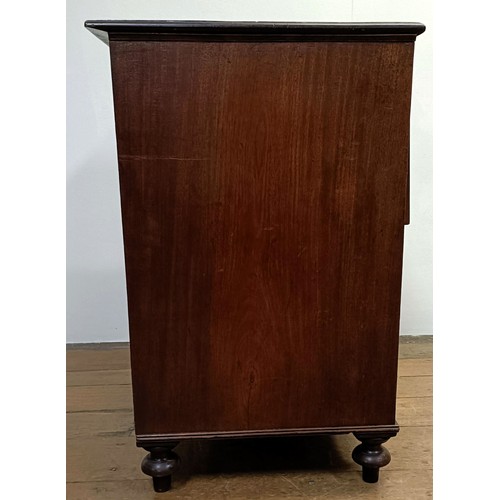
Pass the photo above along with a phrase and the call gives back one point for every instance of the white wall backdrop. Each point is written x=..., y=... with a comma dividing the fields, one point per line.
x=96, y=298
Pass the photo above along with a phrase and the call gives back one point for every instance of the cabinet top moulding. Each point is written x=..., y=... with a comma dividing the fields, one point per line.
x=254, y=31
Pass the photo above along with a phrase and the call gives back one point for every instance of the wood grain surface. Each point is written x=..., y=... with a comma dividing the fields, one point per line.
x=263, y=192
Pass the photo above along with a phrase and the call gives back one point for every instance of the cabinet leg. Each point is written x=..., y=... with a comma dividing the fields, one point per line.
x=161, y=484
x=159, y=463
x=370, y=454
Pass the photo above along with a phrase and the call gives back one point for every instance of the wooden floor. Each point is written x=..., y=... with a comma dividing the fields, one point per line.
x=104, y=463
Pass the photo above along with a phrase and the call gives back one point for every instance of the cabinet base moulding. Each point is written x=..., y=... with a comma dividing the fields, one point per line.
x=157, y=439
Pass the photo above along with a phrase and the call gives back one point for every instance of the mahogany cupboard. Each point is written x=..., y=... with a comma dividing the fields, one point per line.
x=264, y=191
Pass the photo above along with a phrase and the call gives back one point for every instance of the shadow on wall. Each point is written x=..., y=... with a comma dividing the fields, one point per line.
x=96, y=292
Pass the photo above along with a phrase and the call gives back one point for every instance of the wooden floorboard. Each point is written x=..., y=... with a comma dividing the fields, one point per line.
x=104, y=463
x=98, y=377
x=94, y=359
x=84, y=425
x=416, y=351
x=414, y=367
x=393, y=485
x=96, y=398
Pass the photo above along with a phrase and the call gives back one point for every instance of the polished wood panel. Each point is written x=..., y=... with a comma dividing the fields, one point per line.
x=264, y=190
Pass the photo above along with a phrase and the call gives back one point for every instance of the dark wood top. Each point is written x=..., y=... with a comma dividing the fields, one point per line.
x=256, y=31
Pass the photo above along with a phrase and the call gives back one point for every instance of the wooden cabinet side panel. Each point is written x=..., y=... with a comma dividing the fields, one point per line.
x=263, y=188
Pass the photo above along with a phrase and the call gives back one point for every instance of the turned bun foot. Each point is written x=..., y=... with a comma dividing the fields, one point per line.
x=371, y=455
x=161, y=484
x=370, y=475
x=159, y=464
